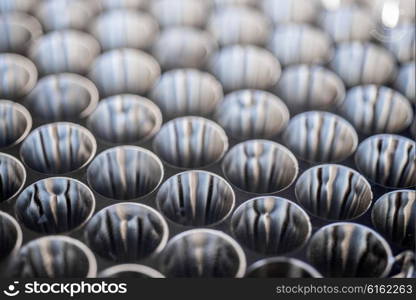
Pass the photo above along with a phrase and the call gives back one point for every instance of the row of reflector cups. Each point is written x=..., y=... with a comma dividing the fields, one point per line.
x=273, y=61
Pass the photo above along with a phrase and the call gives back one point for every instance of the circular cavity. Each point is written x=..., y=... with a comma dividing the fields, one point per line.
x=126, y=232
x=64, y=51
x=125, y=119
x=7, y=6
x=65, y=14
x=62, y=97
x=15, y=123
x=377, y=109
x=196, y=198
x=119, y=29
x=333, y=192
x=184, y=92
x=260, y=167
x=239, y=25
x=130, y=271
x=248, y=114
x=12, y=177
x=271, y=225
x=123, y=71
x=388, y=160
x=54, y=257
x=394, y=216
x=363, y=63
x=305, y=87
x=170, y=13
x=406, y=81
x=17, y=31
x=245, y=67
x=190, y=142
x=347, y=23
x=281, y=267
x=318, y=136
x=122, y=4
x=55, y=205
x=18, y=76
x=294, y=11
x=300, y=44
x=183, y=47
x=125, y=173
x=349, y=250
x=58, y=148
x=203, y=253
x=404, y=265
x=10, y=235
x=401, y=41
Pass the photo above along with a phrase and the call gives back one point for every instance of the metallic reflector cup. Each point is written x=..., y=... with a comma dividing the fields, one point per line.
x=224, y=3
x=130, y=271
x=124, y=29
x=394, y=215
x=281, y=267
x=190, y=142
x=300, y=44
x=58, y=148
x=363, y=63
x=64, y=51
x=183, y=47
x=401, y=41
x=349, y=250
x=65, y=14
x=370, y=109
x=15, y=123
x=239, y=25
x=121, y=4
x=17, y=31
x=404, y=266
x=247, y=114
x=203, y=253
x=171, y=13
x=124, y=71
x=55, y=205
x=186, y=92
x=125, y=173
x=271, y=225
x=196, y=198
x=10, y=236
x=62, y=97
x=293, y=11
x=126, y=232
x=333, y=192
x=388, y=160
x=406, y=81
x=347, y=23
x=12, y=177
x=125, y=119
x=245, y=67
x=260, y=166
x=305, y=87
x=18, y=76
x=54, y=257
x=7, y=6
x=318, y=136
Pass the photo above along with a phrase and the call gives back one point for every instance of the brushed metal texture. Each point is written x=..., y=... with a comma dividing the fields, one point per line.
x=12, y=177
x=15, y=123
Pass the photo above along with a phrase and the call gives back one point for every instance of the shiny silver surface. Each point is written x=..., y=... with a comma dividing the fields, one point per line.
x=182, y=92
x=260, y=167
x=203, y=253
x=317, y=136
x=62, y=97
x=17, y=5
x=126, y=232
x=15, y=123
x=406, y=81
x=12, y=177
x=130, y=271
x=292, y=11
x=125, y=119
x=125, y=173
x=388, y=160
x=401, y=41
x=123, y=71
x=248, y=114
x=377, y=109
x=196, y=198
x=55, y=205
x=10, y=236
x=333, y=192
x=223, y=3
x=271, y=225
x=128, y=4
